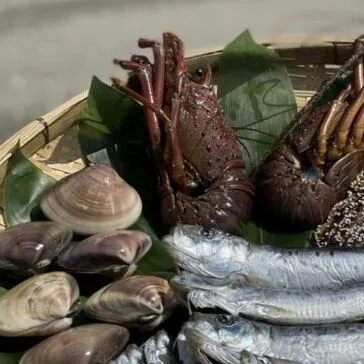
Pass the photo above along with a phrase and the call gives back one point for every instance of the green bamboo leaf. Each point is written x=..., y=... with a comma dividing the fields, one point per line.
x=24, y=184
x=10, y=358
x=158, y=259
x=112, y=109
x=255, y=234
x=257, y=95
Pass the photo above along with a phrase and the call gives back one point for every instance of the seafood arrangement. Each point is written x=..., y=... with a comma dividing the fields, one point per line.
x=228, y=300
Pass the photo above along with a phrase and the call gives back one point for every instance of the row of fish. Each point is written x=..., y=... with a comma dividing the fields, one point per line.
x=280, y=305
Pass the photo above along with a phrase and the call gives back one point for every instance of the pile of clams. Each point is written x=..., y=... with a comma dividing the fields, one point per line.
x=88, y=241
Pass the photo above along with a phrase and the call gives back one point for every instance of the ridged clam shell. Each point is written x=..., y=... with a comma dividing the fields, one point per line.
x=39, y=306
x=85, y=344
x=138, y=301
x=30, y=247
x=93, y=200
x=109, y=252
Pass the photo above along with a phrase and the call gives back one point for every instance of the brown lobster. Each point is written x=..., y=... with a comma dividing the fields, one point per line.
x=317, y=157
x=199, y=163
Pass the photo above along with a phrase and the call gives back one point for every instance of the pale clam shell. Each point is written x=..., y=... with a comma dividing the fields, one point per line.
x=30, y=247
x=139, y=301
x=93, y=200
x=85, y=344
x=109, y=252
x=39, y=306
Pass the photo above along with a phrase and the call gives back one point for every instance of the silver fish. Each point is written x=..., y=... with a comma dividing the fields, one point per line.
x=226, y=339
x=248, y=358
x=156, y=350
x=212, y=253
x=131, y=355
x=288, y=307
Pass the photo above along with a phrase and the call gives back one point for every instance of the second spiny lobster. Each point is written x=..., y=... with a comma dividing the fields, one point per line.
x=317, y=157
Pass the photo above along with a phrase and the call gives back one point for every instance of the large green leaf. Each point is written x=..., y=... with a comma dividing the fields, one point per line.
x=24, y=185
x=257, y=95
x=258, y=99
x=157, y=260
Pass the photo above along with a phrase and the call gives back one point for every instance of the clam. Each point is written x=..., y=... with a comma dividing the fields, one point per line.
x=93, y=200
x=112, y=253
x=85, y=344
x=28, y=248
x=39, y=306
x=138, y=301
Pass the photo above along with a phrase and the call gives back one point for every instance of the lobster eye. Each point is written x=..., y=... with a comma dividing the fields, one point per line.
x=202, y=75
x=225, y=319
x=207, y=233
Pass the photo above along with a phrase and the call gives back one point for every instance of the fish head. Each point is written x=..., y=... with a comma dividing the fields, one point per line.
x=205, y=251
x=219, y=337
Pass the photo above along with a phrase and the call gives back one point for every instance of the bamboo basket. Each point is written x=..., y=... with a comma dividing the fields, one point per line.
x=51, y=142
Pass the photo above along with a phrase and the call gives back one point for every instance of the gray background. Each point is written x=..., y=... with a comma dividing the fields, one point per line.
x=51, y=48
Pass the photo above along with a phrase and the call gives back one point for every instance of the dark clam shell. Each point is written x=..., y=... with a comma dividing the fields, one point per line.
x=85, y=344
x=105, y=253
x=138, y=301
x=28, y=248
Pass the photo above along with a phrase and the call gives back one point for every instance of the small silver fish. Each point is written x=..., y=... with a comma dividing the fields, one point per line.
x=131, y=355
x=215, y=254
x=156, y=350
x=286, y=307
x=227, y=339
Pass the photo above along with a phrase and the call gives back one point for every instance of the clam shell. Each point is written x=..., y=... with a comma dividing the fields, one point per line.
x=110, y=252
x=85, y=344
x=138, y=301
x=30, y=247
x=93, y=200
x=39, y=306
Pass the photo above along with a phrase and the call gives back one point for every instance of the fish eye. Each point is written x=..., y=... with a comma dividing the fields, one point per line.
x=199, y=72
x=207, y=233
x=225, y=319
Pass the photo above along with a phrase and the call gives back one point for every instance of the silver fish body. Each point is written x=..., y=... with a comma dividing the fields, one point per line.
x=248, y=358
x=227, y=338
x=131, y=355
x=156, y=350
x=288, y=307
x=215, y=254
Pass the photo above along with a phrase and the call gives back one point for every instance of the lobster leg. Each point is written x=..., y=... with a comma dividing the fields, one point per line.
x=158, y=76
x=329, y=124
x=147, y=89
x=357, y=130
x=352, y=116
x=343, y=128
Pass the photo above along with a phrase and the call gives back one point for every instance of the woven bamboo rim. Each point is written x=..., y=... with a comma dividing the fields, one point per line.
x=51, y=143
